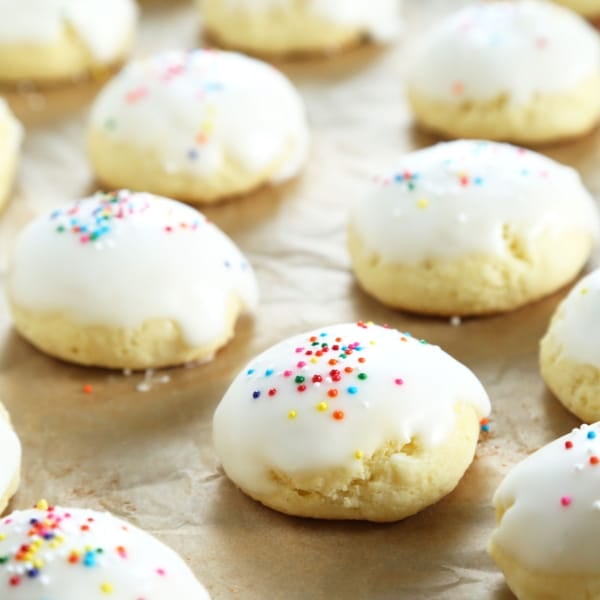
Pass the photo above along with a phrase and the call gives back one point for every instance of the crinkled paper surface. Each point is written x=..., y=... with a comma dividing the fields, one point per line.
x=147, y=456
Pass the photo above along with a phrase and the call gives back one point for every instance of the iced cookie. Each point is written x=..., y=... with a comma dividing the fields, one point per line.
x=547, y=513
x=128, y=280
x=50, y=41
x=73, y=553
x=199, y=126
x=11, y=135
x=590, y=9
x=471, y=227
x=570, y=350
x=10, y=465
x=282, y=27
x=526, y=72
x=350, y=421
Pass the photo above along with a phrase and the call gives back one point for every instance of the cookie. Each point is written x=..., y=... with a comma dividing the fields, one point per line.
x=590, y=9
x=11, y=136
x=470, y=228
x=53, y=41
x=284, y=27
x=128, y=280
x=10, y=466
x=200, y=126
x=547, y=511
x=570, y=350
x=351, y=421
x=74, y=553
x=526, y=72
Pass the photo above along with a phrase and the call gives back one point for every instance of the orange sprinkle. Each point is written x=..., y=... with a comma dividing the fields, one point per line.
x=594, y=460
x=348, y=369
x=88, y=388
x=332, y=393
x=332, y=361
x=338, y=415
x=362, y=359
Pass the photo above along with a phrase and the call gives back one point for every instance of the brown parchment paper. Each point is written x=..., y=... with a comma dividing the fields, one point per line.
x=147, y=456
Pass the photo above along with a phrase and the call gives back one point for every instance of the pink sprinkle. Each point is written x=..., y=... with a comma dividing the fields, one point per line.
x=398, y=381
x=301, y=364
x=566, y=500
x=287, y=373
x=161, y=572
x=84, y=239
x=299, y=349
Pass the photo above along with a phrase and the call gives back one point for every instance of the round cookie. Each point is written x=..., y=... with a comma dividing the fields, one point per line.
x=570, y=350
x=350, y=421
x=50, y=41
x=11, y=136
x=590, y=9
x=73, y=553
x=283, y=27
x=547, y=513
x=526, y=72
x=471, y=227
x=199, y=126
x=128, y=280
x=10, y=465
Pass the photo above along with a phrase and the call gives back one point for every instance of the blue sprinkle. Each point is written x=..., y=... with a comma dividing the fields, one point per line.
x=192, y=154
x=323, y=334
x=591, y=435
x=485, y=428
x=33, y=572
x=249, y=371
x=399, y=177
x=478, y=180
x=269, y=372
x=89, y=560
x=352, y=389
x=256, y=394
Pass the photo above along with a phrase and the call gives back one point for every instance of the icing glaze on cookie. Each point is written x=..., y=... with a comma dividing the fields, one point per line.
x=53, y=553
x=104, y=26
x=455, y=199
x=197, y=109
x=380, y=19
x=124, y=258
x=10, y=449
x=578, y=320
x=507, y=50
x=552, y=502
x=324, y=399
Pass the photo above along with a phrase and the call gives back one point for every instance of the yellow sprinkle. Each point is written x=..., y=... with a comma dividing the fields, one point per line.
x=292, y=414
x=106, y=588
x=370, y=323
x=42, y=505
x=372, y=342
x=38, y=563
x=358, y=454
x=423, y=203
x=584, y=291
x=2, y=537
x=314, y=360
x=322, y=406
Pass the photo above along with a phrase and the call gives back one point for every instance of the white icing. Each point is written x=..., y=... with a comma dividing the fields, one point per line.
x=454, y=198
x=157, y=259
x=578, y=321
x=10, y=450
x=378, y=18
x=105, y=26
x=513, y=50
x=552, y=522
x=11, y=132
x=131, y=563
x=197, y=109
x=410, y=391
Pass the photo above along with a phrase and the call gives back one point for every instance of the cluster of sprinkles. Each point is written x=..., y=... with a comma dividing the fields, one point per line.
x=413, y=182
x=588, y=436
x=338, y=367
x=28, y=548
x=92, y=226
x=204, y=84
